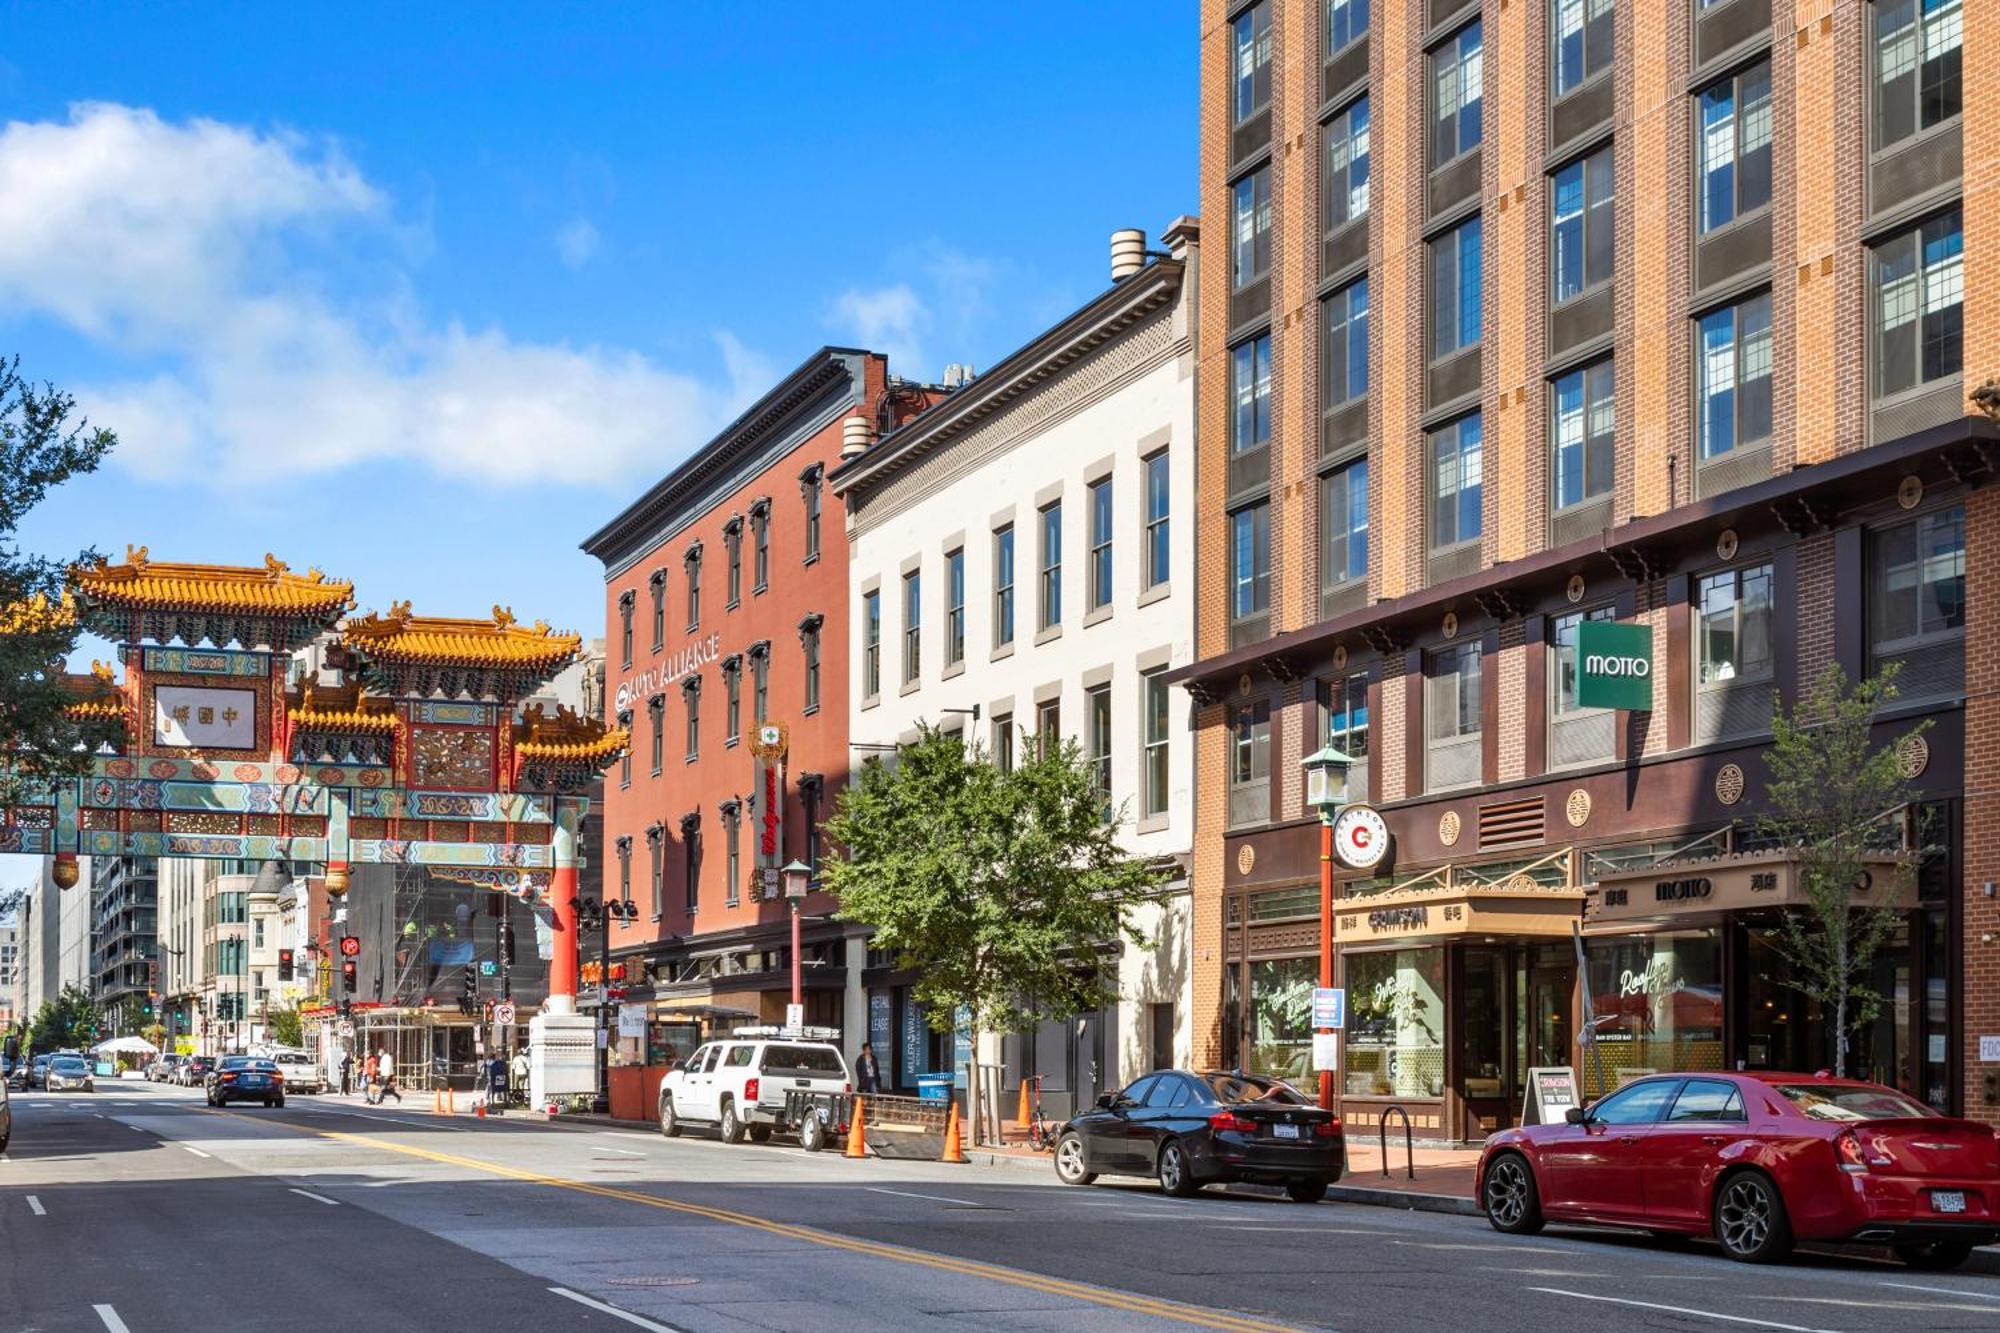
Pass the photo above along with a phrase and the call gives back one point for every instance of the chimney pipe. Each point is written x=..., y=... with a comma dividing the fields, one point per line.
x=856, y=434
x=1128, y=253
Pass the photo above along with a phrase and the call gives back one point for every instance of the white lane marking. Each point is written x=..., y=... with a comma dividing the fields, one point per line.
x=629, y=1152
x=111, y=1320
x=35, y=1207
x=317, y=1198
x=1682, y=1309
x=1304, y=1231
x=1943, y=1291
x=1445, y=1245
x=934, y=1198
x=378, y=1184
x=196, y=1151
x=639, y=1321
x=135, y=1129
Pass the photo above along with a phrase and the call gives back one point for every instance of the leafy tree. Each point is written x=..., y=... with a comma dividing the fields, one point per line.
x=999, y=889
x=1829, y=786
x=286, y=1027
x=40, y=447
x=70, y=1019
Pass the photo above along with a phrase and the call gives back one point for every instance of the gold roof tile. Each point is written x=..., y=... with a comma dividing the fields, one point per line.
x=270, y=590
x=401, y=638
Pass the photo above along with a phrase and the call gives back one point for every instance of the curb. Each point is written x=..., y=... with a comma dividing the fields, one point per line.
x=1408, y=1200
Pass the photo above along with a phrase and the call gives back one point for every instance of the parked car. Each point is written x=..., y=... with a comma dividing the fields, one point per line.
x=6, y=1117
x=1759, y=1161
x=1187, y=1130
x=38, y=1070
x=301, y=1072
x=67, y=1073
x=246, y=1078
x=193, y=1072
x=162, y=1069
x=739, y=1084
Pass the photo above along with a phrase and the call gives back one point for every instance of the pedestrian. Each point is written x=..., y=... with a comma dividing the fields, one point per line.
x=520, y=1072
x=388, y=1067
x=346, y=1072
x=867, y=1077
x=370, y=1071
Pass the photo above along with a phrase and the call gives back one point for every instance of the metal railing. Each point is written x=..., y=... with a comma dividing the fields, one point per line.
x=1409, y=1141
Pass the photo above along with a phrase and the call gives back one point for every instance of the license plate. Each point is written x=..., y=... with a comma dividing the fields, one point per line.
x=1285, y=1131
x=1948, y=1201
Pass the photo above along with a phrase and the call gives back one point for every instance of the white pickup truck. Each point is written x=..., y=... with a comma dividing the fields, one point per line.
x=301, y=1072
x=738, y=1083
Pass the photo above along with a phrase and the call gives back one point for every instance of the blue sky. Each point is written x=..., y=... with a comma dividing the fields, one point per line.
x=422, y=294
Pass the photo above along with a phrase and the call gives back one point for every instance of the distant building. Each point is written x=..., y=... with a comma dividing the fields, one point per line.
x=125, y=909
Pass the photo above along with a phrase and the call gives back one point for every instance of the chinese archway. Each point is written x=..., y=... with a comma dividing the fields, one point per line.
x=396, y=741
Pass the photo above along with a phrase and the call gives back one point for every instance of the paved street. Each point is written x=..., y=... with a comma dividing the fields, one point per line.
x=141, y=1209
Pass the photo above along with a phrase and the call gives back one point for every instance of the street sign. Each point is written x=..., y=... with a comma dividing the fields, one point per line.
x=795, y=1017
x=1360, y=837
x=346, y=1027
x=1326, y=1051
x=486, y=967
x=1329, y=1007
x=1614, y=665
x=503, y=1013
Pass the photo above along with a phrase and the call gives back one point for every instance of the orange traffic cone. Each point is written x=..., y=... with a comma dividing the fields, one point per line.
x=1026, y=1112
x=952, y=1151
x=857, y=1140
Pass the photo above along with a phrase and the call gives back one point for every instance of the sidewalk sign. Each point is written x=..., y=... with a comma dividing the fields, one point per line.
x=1551, y=1092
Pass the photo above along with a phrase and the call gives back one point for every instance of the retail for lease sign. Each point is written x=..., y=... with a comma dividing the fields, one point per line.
x=1614, y=665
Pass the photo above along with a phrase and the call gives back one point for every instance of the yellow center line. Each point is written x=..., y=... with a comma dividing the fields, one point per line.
x=1050, y=1286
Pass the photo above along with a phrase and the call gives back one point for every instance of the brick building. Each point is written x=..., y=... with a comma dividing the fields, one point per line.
x=726, y=607
x=1644, y=311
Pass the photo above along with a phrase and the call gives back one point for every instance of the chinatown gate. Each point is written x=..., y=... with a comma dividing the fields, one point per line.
x=400, y=748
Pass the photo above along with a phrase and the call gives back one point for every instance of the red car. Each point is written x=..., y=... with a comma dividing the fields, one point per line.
x=1759, y=1161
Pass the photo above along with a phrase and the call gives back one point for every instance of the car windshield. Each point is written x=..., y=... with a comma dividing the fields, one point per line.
x=294, y=1060
x=236, y=1061
x=1231, y=1088
x=68, y=1065
x=1822, y=1101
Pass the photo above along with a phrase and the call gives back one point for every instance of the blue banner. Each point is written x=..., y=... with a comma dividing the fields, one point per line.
x=451, y=953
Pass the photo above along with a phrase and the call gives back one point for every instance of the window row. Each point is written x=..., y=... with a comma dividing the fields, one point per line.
x=731, y=671
x=1154, y=741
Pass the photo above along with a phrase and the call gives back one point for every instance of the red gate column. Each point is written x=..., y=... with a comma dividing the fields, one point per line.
x=562, y=899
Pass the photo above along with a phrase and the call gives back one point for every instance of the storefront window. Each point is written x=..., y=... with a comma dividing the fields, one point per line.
x=1281, y=1017
x=1657, y=1000
x=1786, y=1029
x=1395, y=1023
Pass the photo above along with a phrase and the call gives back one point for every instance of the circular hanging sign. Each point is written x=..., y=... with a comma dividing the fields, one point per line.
x=1360, y=838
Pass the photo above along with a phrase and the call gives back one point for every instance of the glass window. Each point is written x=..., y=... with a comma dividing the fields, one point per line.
x=691, y=693
x=1048, y=723
x=1583, y=36
x=1454, y=696
x=1456, y=289
x=809, y=643
x=1457, y=87
x=657, y=706
x=1581, y=225
x=1457, y=482
x=760, y=684
x=1051, y=579
x=1250, y=253
x=1734, y=146
x=625, y=759
x=732, y=697
x=1003, y=586
x=1158, y=723
x=1733, y=377
x=1250, y=562
x=871, y=643
x=1636, y=1104
x=1657, y=1000
x=760, y=535
x=1819, y=1101
x=954, y=607
x=913, y=625
x=1563, y=638
x=1707, y=1100
x=1250, y=391
x=693, y=565
x=1345, y=705
x=1250, y=745
x=1140, y=1089
x=732, y=822
x=1099, y=583
x=732, y=546
x=1250, y=38
x=1582, y=425
x=1919, y=280
x=625, y=603
x=1159, y=510
x=1345, y=20
x=1344, y=173
x=1916, y=582
x=1343, y=510
x=1346, y=375
x=1098, y=701
x=812, y=518
x=1395, y=1023
x=658, y=585
x=1281, y=1017
x=1916, y=66
x=1734, y=608
x=1003, y=742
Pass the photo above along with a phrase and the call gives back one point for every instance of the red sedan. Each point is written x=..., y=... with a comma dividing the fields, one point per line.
x=1759, y=1161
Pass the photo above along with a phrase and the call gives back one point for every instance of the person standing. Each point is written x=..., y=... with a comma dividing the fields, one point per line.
x=369, y=1072
x=346, y=1072
x=520, y=1072
x=867, y=1078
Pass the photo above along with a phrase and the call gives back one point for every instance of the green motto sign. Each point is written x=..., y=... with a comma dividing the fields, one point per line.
x=1614, y=665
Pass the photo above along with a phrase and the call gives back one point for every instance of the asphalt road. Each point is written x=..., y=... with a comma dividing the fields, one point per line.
x=139, y=1209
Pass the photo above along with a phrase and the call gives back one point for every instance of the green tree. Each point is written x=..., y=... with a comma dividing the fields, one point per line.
x=40, y=447
x=1829, y=787
x=286, y=1027
x=1001, y=890
x=70, y=1019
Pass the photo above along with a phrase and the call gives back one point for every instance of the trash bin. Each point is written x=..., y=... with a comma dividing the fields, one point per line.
x=934, y=1087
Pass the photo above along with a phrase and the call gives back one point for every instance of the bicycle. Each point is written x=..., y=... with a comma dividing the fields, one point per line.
x=1042, y=1131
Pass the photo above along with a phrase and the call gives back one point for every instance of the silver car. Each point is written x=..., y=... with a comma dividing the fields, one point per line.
x=67, y=1073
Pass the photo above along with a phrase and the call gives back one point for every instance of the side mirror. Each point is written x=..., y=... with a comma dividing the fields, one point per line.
x=1575, y=1115
x=1106, y=1101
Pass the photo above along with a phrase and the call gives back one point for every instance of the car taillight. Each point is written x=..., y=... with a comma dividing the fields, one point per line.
x=1326, y=1129
x=1228, y=1122
x=750, y=1090
x=1847, y=1150
x=229, y=1078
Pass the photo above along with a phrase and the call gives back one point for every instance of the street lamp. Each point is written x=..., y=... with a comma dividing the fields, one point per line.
x=1326, y=793
x=798, y=879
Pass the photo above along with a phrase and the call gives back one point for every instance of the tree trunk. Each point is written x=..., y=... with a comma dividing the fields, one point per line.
x=1840, y=1041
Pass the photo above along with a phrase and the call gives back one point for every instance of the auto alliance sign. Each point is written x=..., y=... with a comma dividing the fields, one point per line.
x=1614, y=665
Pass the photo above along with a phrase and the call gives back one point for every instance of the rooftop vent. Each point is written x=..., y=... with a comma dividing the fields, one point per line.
x=957, y=376
x=1128, y=253
x=856, y=434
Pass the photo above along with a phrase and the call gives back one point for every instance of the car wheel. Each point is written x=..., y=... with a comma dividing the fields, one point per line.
x=1306, y=1191
x=1750, y=1220
x=731, y=1128
x=812, y=1134
x=268, y=1103
x=670, y=1124
x=1176, y=1176
x=760, y=1133
x=1069, y=1161
x=1512, y=1202
x=281, y=1101
x=1934, y=1256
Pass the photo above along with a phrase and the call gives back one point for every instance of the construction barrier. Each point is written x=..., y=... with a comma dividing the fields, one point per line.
x=906, y=1128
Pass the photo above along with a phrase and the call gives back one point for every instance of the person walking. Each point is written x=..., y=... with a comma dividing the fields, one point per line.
x=346, y=1072
x=389, y=1080
x=520, y=1072
x=370, y=1070
x=867, y=1077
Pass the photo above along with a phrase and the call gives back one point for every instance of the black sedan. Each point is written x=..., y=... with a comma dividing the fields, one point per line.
x=246, y=1078
x=1188, y=1130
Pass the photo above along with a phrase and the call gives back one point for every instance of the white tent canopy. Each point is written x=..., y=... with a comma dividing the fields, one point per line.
x=125, y=1046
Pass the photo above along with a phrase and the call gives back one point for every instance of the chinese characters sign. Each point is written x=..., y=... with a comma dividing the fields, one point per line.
x=204, y=718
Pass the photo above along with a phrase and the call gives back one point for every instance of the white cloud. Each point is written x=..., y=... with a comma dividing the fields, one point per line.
x=204, y=248
x=890, y=319
x=576, y=243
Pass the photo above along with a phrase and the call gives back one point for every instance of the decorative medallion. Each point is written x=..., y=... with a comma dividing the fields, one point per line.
x=1340, y=657
x=163, y=769
x=202, y=772
x=1729, y=784
x=1726, y=544
x=248, y=773
x=1910, y=492
x=1576, y=586
x=1520, y=883
x=289, y=773
x=1448, y=828
x=1577, y=808
x=1913, y=756
x=1243, y=684
x=372, y=777
x=333, y=777
x=1246, y=859
x=1450, y=624
x=1360, y=838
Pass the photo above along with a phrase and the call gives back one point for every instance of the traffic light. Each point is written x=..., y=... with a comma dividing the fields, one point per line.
x=350, y=975
x=469, y=1002
x=507, y=942
x=284, y=964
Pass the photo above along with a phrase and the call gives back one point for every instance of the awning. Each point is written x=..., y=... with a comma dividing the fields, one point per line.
x=1679, y=891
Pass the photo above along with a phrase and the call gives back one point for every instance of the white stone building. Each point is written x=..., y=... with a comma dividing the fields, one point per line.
x=1025, y=549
